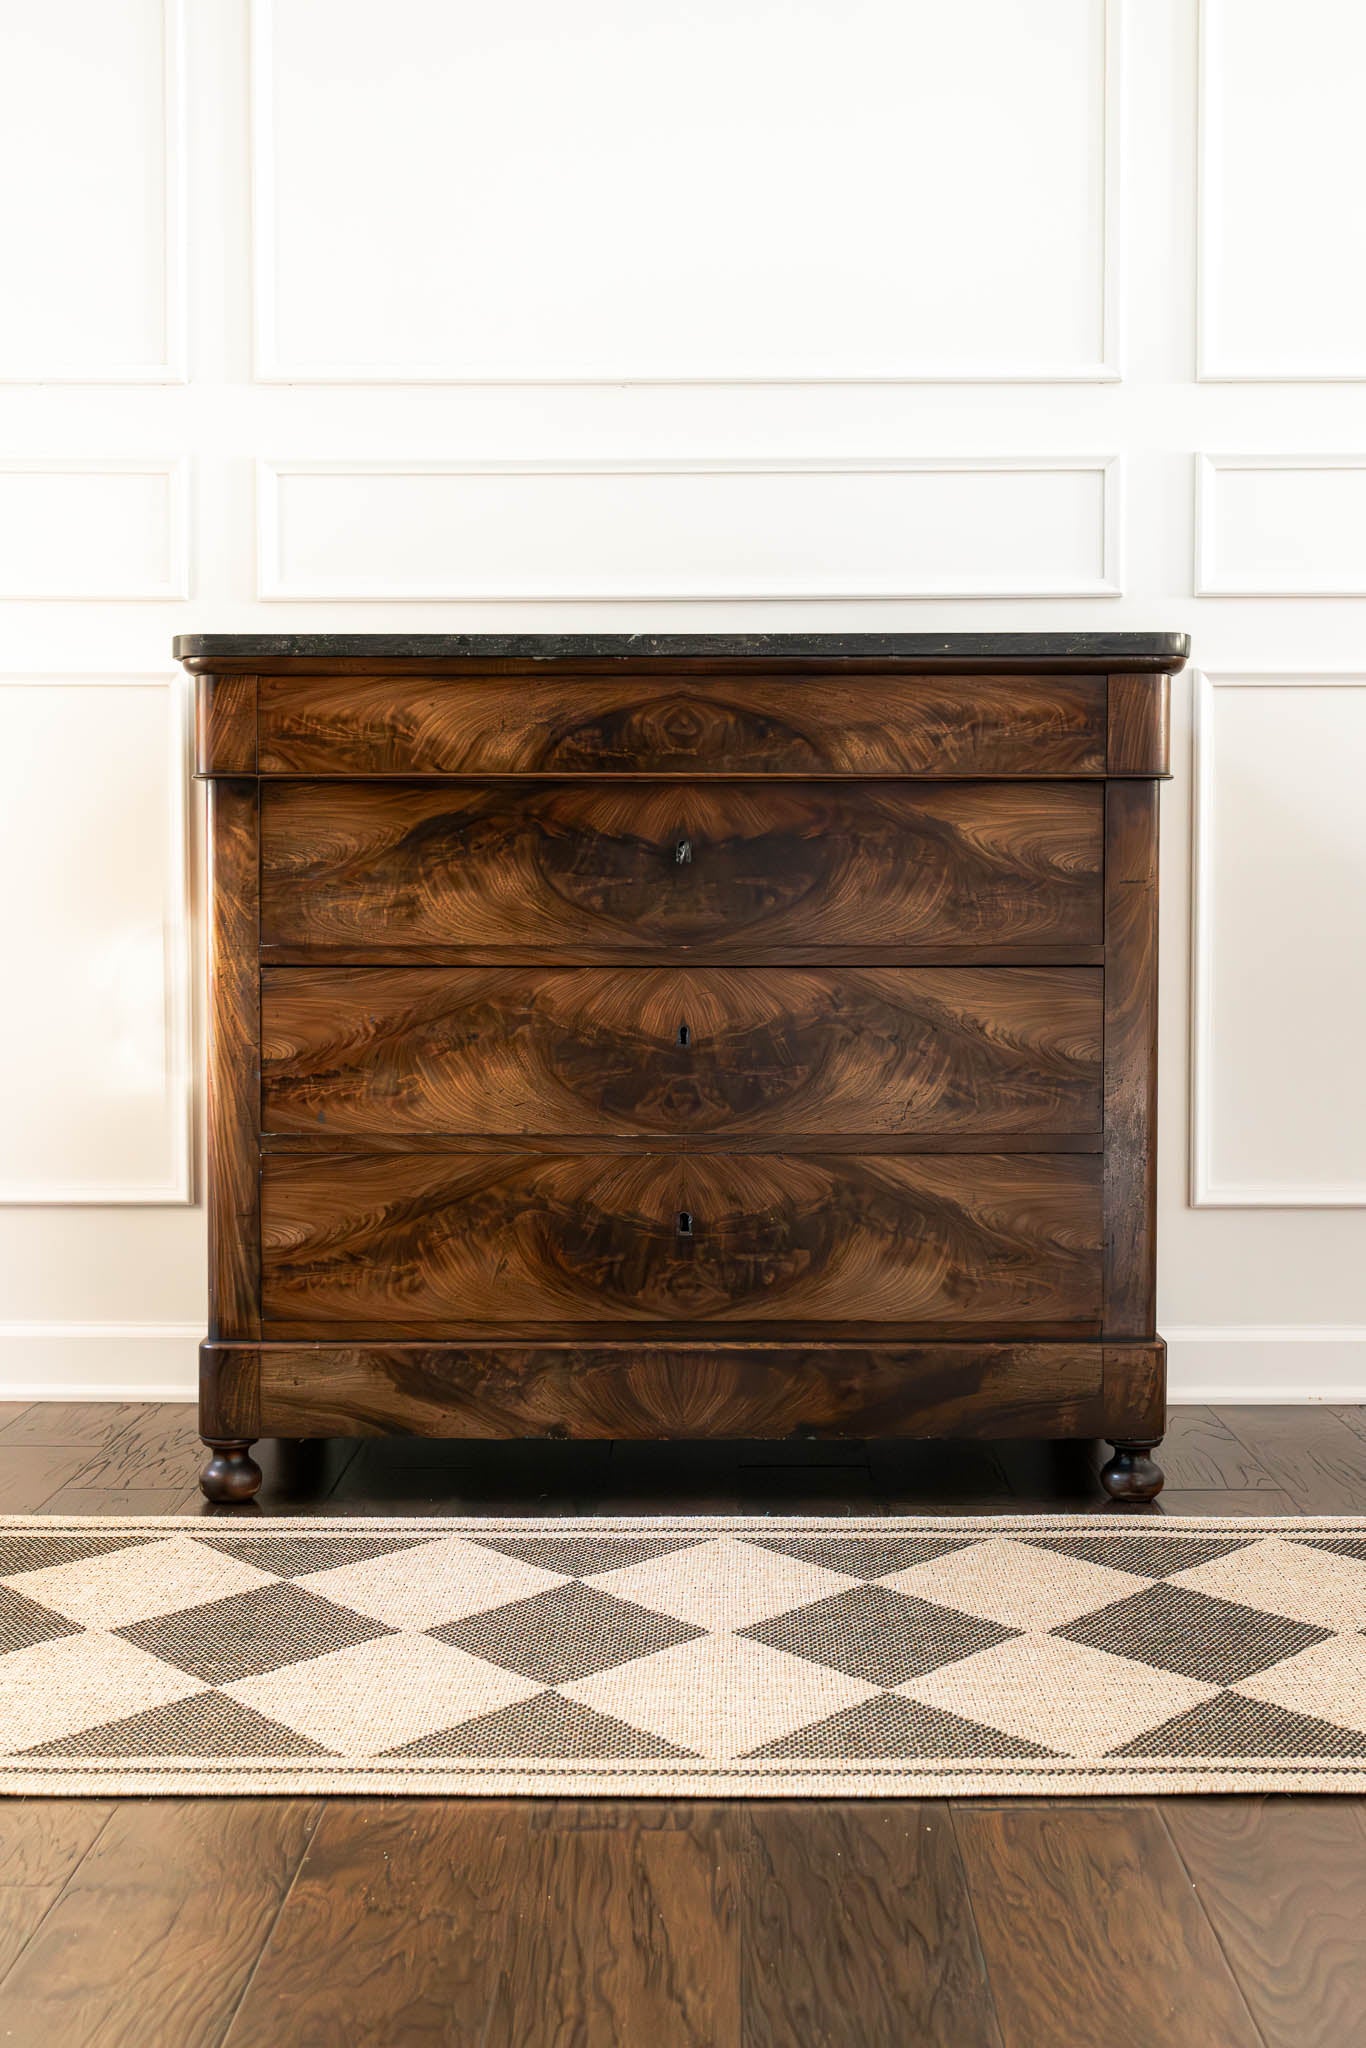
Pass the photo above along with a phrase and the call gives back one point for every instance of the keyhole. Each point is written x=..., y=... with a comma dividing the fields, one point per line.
x=684, y=1035
x=683, y=852
x=685, y=1223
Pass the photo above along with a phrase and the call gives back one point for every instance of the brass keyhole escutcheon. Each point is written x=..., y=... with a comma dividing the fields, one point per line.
x=684, y=1225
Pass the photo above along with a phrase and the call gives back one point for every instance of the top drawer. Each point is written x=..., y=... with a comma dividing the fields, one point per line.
x=660, y=724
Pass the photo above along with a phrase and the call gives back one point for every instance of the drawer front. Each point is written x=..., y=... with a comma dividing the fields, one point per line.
x=727, y=870
x=677, y=1052
x=685, y=725
x=406, y=1242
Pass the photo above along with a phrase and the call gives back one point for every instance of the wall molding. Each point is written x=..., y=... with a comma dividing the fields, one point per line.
x=99, y=1361
x=178, y=1188
x=173, y=368
x=1209, y=368
x=1252, y=1363
x=1208, y=469
x=175, y=469
x=1207, y=1191
x=274, y=588
x=270, y=367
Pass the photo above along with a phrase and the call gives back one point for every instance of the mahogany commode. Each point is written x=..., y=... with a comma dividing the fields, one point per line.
x=682, y=1037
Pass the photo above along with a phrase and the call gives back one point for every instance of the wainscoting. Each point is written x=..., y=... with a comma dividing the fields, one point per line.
x=918, y=317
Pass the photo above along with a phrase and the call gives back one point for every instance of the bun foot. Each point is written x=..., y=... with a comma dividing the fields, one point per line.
x=1132, y=1476
x=231, y=1475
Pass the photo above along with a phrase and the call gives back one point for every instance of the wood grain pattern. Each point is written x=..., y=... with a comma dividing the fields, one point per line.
x=1091, y=1931
x=478, y=1238
x=722, y=871
x=395, y=1930
x=581, y=1052
x=632, y=1937
x=866, y=1902
x=647, y=1389
x=1138, y=721
x=234, y=1070
x=1130, y=1058
x=155, y=1937
x=645, y=724
x=1136, y=1390
x=225, y=725
x=41, y=1847
x=1284, y=1883
x=1313, y=1456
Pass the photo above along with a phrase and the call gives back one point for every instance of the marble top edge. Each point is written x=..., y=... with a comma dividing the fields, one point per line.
x=1099, y=647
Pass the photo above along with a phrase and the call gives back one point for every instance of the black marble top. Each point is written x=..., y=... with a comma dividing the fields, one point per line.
x=1152, y=649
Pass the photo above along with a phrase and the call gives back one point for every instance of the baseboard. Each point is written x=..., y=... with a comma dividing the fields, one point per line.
x=99, y=1361
x=1241, y=1362
x=1264, y=1363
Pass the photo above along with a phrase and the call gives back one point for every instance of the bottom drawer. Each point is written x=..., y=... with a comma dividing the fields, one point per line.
x=389, y=1244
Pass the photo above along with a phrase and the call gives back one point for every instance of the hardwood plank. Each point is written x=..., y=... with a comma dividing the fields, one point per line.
x=10, y=1413
x=1309, y=1452
x=41, y=1845
x=396, y=1929
x=30, y=1473
x=625, y=1933
x=857, y=1925
x=164, y=1917
x=71, y=1422
x=1210, y=1501
x=1200, y=1452
x=1355, y=1418
x=161, y=1449
x=1092, y=1934
x=116, y=1500
x=1284, y=1883
x=723, y=869
x=653, y=724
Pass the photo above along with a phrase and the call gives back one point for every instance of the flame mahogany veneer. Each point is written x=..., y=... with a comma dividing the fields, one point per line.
x=682, y=1038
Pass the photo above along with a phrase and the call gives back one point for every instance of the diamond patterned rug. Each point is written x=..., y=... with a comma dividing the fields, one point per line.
x=705, y=1656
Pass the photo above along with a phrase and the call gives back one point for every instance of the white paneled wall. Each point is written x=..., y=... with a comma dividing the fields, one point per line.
x=1008, y=314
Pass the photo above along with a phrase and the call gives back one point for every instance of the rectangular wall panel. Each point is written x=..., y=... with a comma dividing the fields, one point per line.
x=92, y=163
x=736, y=190
x=95, y=1029
x=1282, y=285
x=78, y=530
x=1279, y=1082
x=919, y=528
x=1280, y=526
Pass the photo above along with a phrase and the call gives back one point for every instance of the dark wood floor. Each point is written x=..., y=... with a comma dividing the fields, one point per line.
x=1134, y=1923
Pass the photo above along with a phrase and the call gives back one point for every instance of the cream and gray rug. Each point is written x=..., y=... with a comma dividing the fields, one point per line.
x=708, y=1656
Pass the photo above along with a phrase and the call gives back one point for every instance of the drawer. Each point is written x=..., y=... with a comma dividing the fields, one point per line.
x=647, y=724
x=397, y=1243
x=678, y=1052
x=730, y=870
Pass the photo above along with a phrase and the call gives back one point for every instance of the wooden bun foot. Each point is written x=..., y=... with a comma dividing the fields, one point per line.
x=1132, y=1476
x=231, y=1475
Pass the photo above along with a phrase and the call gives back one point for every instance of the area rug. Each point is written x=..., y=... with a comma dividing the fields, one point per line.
x=710, y=1656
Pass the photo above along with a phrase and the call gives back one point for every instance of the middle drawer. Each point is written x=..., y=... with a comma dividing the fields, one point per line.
x=680, y=1051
